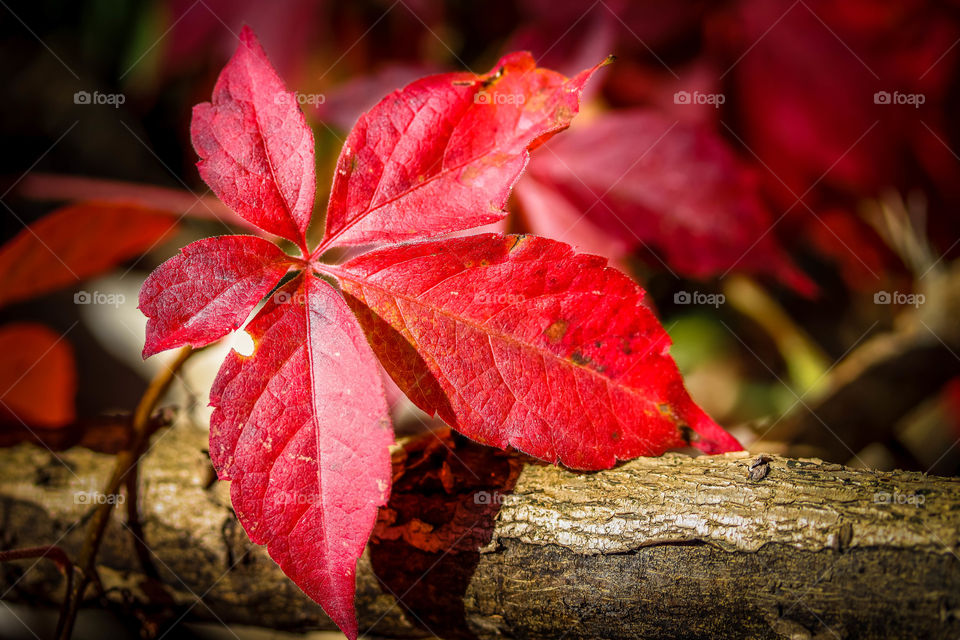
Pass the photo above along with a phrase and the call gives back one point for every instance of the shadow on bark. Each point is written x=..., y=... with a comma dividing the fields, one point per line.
x=425, y=548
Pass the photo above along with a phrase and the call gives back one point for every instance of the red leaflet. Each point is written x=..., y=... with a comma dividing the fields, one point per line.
x=442, y=154
x=513, y=341
x=208, y=290
x=302, y=429
x=256, y=150
x=37, y=377
x=517, y=340
x=66, y=246
x=643, y=180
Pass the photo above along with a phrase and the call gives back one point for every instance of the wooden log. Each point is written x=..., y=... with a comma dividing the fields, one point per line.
x=480, y=544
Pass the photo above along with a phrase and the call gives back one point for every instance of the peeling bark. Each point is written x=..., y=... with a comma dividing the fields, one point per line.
x=656, y=548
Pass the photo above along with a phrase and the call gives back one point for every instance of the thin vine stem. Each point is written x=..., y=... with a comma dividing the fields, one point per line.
x=125, y=461
x=56, y=555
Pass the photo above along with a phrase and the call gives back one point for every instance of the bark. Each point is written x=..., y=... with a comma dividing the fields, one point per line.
x=482, y=544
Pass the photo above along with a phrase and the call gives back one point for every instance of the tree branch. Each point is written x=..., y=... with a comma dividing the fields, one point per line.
x=482, y=544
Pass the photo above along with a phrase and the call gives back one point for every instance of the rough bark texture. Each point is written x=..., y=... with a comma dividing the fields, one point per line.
x=656, y=548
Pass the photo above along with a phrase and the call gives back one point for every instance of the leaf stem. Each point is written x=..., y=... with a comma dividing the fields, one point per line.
x=328, y=269
x=125, y=461
x=55, y=554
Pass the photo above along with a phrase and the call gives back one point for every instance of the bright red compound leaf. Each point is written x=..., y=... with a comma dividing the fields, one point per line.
x=645, y=181
x=38, y=380
x=443, y=153
x=256, y=150
x=67, y=246
x=208, y=290
x=513, y=341
x=302, y=429
x=517, y=340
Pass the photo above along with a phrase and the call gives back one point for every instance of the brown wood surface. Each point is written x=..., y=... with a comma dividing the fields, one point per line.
x=476, y=543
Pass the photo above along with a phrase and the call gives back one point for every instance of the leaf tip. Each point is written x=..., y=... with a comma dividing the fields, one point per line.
x=351, y=630
x=247, y=36
x=709, y=437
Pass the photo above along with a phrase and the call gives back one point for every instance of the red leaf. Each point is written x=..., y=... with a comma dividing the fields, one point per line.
x=67, y=246
x=38, y=379
x=517, y=340
x=645, y=180
x=255, y=148
x=546, y=350
x=302, y=430
x=208, y=290
x=442, y=154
